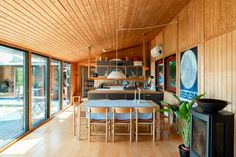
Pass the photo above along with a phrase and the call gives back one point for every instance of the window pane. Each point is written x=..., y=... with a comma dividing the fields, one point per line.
x=172, y=73
x=39, y=89
x=12, y=106
x=55, y=86
x=66, y=84
x=159, y=75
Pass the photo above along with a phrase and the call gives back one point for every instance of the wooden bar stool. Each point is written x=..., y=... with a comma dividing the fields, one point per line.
x=149, y=122
x=122, y=122
x=92, y=122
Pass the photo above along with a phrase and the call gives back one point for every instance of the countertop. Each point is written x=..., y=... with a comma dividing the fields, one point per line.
x=146, y=91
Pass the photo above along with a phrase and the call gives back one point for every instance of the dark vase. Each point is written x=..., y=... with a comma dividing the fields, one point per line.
x=183, y=151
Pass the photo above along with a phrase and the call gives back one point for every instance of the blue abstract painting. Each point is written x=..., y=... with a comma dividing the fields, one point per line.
x=189, y=74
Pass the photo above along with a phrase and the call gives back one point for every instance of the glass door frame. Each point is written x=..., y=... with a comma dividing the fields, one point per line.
x=47, y=95
x=60, y=86
x=25, y=93
x=65, y=106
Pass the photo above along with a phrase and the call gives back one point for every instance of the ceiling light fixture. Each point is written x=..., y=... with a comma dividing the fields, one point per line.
x=117, y=73
x=104, y=50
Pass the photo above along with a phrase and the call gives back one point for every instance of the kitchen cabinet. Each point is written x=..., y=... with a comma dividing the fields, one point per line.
x=154, y=97
x=97, y=96
x=115, y=96
x=131, y=96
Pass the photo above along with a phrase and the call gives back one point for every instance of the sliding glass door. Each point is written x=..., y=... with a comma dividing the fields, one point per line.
x=12, y=94
x=55, y=86
x=39, y=89
x=66, y=84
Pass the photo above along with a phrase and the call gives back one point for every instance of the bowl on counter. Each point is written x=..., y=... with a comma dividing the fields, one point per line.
x=212, y=105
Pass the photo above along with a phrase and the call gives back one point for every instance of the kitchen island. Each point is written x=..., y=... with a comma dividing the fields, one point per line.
x=125, y=94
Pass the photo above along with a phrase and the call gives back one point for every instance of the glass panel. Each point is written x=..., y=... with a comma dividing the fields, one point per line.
x=12, y=100
x=66, y=84
x=199, y=137
x=159, y=75
x=39, y=89
x=172, y=73
x=55, y=86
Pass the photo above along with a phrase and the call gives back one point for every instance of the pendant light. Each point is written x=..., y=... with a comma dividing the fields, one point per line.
x=117, y=73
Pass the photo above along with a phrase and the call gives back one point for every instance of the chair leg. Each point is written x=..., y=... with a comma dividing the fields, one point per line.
x=153, y=131
x=113, y=132
x=109, y=130
x=136, y=131
x=106, y=131
x=89, y=131
x=151, y=128
x=79, y=130
x=130, y=138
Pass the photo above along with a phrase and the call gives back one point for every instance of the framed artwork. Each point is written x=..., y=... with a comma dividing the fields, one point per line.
x=189, y=74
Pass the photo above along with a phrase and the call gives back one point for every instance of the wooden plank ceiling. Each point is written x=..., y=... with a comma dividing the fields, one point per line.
x=66, y=28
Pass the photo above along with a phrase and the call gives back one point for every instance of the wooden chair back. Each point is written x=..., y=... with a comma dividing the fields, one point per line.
x=76, y=100
x=145, y=109
x=122, y=110
x=98, y=110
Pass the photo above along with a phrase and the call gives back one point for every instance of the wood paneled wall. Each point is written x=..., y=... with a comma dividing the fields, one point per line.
x=190, y=24
x=210, y=25
x=132, y=52
x=220, y=17
x=170, y=38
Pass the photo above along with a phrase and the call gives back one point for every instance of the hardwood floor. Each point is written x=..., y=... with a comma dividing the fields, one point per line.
x=55, y=139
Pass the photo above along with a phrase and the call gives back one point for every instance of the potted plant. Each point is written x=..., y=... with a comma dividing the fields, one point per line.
x=182, y=113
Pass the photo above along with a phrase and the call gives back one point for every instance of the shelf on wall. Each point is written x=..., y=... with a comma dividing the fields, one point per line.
x=123, y=66
x=125, y=79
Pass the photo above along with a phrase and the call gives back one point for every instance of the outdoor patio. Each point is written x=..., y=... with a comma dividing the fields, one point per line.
x=12, y=117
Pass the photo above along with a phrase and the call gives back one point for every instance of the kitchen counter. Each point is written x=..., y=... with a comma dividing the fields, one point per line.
x=125, y=94
x=144, y=91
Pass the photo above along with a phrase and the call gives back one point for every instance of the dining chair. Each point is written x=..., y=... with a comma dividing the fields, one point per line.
x=79, y=117
x=165, y=120
x=147, y=122
x=93, y=122
x=115, y=121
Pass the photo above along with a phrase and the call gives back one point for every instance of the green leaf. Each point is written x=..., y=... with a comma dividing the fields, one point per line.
x=174, y=108
x=189, y=106
x=164, y=110
x=199, y=96
x=183, y=110
x=164, y=102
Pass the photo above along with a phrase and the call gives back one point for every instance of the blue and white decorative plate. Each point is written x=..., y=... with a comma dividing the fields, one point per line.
x=188, y=69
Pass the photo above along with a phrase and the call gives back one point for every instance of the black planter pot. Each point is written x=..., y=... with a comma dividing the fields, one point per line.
x=183, y=152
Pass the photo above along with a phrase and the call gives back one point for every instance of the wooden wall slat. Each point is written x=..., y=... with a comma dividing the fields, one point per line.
x=224, y=68
x=190, y=23
x=170, y=39
x=234, y=83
